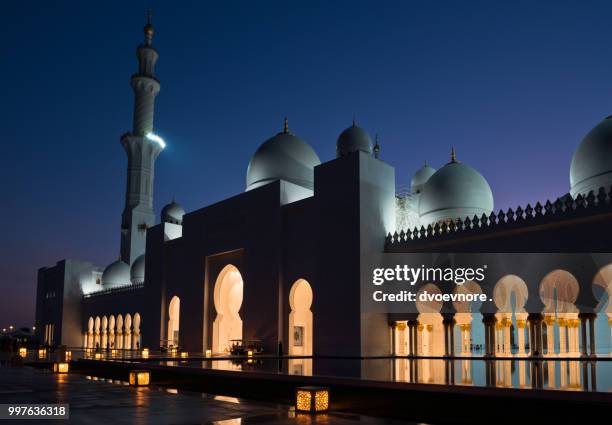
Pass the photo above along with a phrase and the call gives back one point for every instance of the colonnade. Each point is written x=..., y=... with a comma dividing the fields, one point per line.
x=535, y=335
x=120, y=332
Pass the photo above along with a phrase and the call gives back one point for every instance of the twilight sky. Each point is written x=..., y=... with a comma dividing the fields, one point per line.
x=513, y=85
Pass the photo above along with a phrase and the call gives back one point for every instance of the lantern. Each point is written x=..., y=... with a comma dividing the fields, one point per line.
x=208, y=353
x=184, y=354
x=139, y=377
x=42, y=353
x=61, y=367
x=250, y=353
x=145, y=353
x=311, y=399
x=98, y=356
x=173, y=351
x=113, y=352
x=68, y=355
x=23, y=352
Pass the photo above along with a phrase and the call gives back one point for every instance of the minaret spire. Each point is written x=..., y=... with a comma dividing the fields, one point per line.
x=142, y=147
x=453, y=154
x=286, y=126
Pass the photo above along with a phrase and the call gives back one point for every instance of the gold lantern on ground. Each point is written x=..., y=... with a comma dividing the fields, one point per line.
x=208, y=353
x=140, y=378
x=42, y=353
x=184, y=354
x=23, y=352
x=61, y=367
x=312, y=399
x=145, y=353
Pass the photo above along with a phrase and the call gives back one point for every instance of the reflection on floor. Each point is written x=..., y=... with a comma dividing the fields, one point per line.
x=95, y=401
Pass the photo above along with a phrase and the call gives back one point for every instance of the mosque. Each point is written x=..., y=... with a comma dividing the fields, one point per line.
x=283, y=262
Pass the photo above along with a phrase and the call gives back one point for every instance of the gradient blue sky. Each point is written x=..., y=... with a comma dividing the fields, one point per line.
x=513, y=85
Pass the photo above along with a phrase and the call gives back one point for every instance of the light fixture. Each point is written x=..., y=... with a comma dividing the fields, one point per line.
x=98, y=356
x=208, y=353
x=312, y=399
x=184, y=354
x=113, y=352
x=155, y=138
x=42, y=353
x=139, y=378
x=250, y=353
x=68, y=355
x=173, y=351
x=23, y=352
x=145, y=353
x=61, y=367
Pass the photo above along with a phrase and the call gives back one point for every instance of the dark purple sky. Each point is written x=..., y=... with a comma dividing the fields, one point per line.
x=512, y=85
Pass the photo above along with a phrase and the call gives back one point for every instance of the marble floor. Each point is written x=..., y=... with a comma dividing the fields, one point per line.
x=112, y=402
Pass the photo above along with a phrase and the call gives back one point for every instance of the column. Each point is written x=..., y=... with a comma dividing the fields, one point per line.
x=583, y=327
x=507, y=345
x=419, y=338
x=592, y=318
x=520, y=324
x=550, y=334
x=562, y=323
x=400, y=340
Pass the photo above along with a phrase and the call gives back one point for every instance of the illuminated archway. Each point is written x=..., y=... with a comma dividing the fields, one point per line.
x=104, y=344
x=90, y=333
x=430, y=328
x=228, y=294
x=465, y=311
x=174, y=310
x=111, y=331
x=602, y=290
x=127, y=333
x=559, y=292
x=97, y=332
x=136, y=331
x=510, y=296
x=119, y=333
x=300, y=319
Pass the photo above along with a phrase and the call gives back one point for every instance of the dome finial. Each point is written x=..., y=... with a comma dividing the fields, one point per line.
x=286, y=126
x=425, y=163
x=354, y=121
x=148, y=29
x=376, y=147
x=453, y=154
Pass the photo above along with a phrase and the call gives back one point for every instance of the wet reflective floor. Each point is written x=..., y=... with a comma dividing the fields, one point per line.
x=94, y=401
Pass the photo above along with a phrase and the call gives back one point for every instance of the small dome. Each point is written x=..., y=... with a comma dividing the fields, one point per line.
x=353, y=139
x=454, y=191
x=591, y=166
x=116, y=274
x=137, y=272
x=420, y=178
x=172, y=213
x=283, y=157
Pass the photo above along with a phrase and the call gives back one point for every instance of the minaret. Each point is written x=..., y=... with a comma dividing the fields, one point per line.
x=142, y=147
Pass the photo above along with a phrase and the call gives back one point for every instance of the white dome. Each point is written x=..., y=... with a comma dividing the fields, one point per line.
x=283, y=157
x=454, y=191
x=420, y=178
x=116, y=274
x=137, y=272
x=591, y=166
x=172, y=213
x=353, y=139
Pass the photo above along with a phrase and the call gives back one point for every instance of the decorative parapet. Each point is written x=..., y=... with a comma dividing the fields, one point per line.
x=562, y=209
x=125, y=288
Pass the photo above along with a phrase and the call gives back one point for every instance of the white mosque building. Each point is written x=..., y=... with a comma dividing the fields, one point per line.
x=284, y=261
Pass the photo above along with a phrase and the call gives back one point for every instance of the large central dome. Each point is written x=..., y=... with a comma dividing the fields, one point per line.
x=454, y=191
x=283, y=157
x=591, y=166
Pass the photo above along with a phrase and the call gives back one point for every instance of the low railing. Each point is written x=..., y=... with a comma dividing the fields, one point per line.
x=561, y=209
x=125, y=288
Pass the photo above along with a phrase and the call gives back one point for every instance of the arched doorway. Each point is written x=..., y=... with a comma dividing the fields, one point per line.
x=228, y=294
x=174, y=310
x=300, y=319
